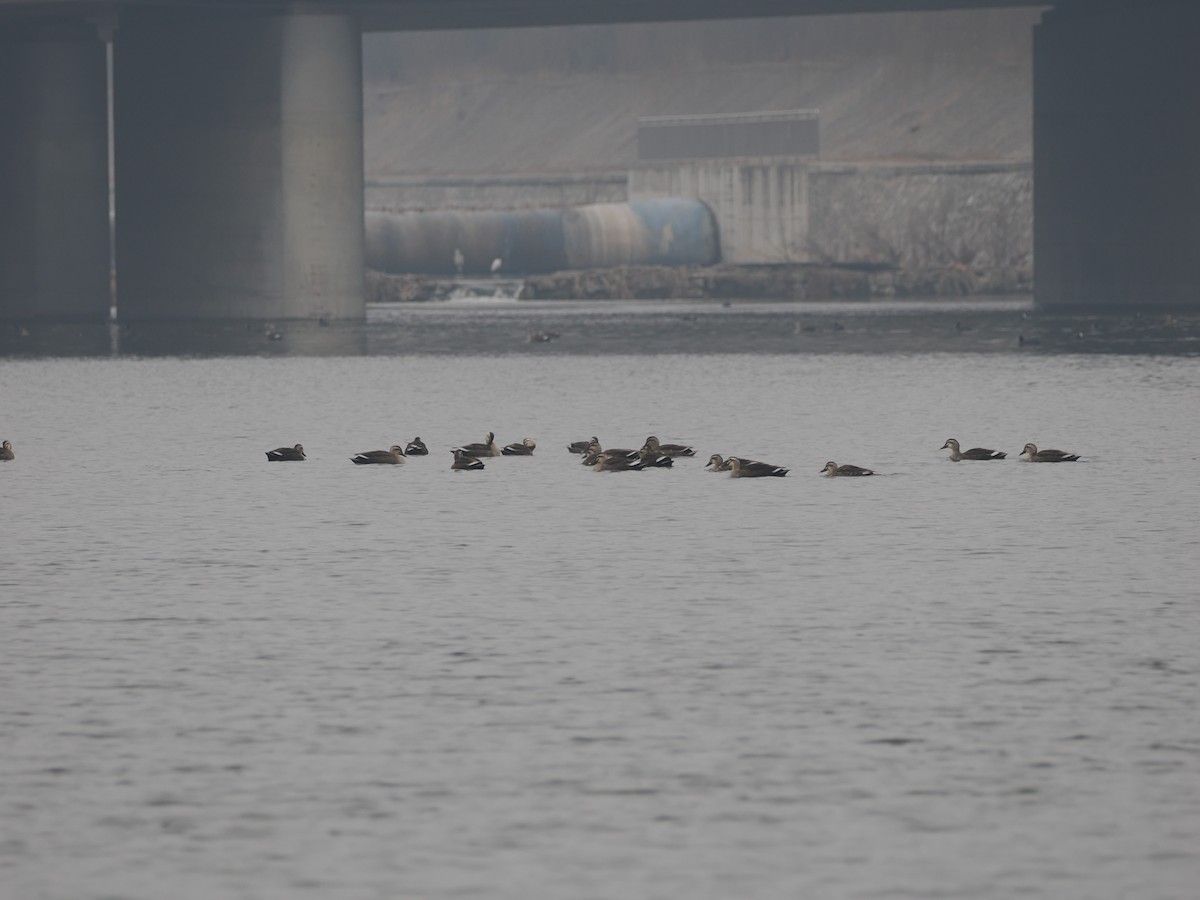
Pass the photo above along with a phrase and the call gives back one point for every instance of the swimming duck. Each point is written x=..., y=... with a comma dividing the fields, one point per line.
x=718, y=464
x=654, y=446
x=6, y=451
x=283, y=454
x=389, y=457
x=831, y=469
x=487, y=448
x=525, y=448
x=416, y=447
x=464, y=460
x=582, y=446
x=652, y=460
x=1036, y=455
x=974, y=453
x=749, y=468
x=606, y=463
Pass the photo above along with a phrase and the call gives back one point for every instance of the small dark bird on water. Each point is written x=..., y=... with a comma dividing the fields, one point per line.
x=6, y=451
x=416, y=447
x=286, y=454
x=394, y=455
x=464, y=461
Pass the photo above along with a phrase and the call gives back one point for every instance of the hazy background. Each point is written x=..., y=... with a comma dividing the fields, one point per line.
x=921, y=86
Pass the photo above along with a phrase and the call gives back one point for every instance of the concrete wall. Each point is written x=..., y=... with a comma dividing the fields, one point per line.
x=916, y=216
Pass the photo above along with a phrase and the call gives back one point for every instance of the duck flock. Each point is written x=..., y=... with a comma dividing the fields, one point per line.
x=653, y=454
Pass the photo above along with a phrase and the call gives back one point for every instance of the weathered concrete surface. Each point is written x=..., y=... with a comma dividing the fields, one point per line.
x=239, y=167
x=54, y=232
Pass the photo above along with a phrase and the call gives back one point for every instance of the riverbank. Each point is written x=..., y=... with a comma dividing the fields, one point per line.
x=731, y=282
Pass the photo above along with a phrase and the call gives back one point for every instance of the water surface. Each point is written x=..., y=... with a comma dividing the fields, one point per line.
x=230, y=678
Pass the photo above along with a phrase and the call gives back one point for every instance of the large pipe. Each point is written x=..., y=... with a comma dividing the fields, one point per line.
x=670, y=231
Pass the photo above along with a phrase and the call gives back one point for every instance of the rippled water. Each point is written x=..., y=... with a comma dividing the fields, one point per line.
x=229, y=678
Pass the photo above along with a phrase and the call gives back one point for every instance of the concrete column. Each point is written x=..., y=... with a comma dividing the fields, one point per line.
x=1117, y=156
x=239, y=166
x=54, y=230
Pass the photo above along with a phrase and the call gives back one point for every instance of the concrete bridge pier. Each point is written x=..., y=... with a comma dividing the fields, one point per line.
x=239, y=166
x=54, y=231
x=1117, y=155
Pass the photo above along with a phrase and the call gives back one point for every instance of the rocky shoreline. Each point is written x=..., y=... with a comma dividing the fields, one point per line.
x=721, y=282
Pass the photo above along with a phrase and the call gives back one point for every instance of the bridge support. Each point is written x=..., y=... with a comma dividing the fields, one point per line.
x=1117, y=155
x=239, y=166
x=54, y=230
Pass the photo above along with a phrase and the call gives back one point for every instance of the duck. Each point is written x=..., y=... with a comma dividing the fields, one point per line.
x=582, y=446
x=416, y=447
x=652, y=460
x=831, y=469
x=525, y=448
x=974, y=453
x=487, y=448
x=285, y=454
x=1036, y=455
x=654, y=446
x=606, y=463
x=6, y=451
x=750, y=468
x=615, y=451
x=718, y=464
x=394, y=455
x=465, y=461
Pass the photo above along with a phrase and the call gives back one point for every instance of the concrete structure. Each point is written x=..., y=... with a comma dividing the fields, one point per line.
x=778, y=133
x=239, y=167
x=54, y=229
x=238, y=145
x=911, y=216
x=1117, y=154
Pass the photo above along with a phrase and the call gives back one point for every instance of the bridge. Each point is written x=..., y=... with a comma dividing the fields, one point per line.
x=237, y=146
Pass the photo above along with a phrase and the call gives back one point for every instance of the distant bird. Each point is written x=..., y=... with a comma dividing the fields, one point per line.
x=394, y=455
x=652, y=444
x=487, y=448
x=749, y=468
x=6, y=451
x=286, y=454
x=718, y=464
x=1036, y=455
x=1023, y=341
x=525, y=448
x=464, y=461
x=581, y=446
x=542, y=337
x=496, y=264
x=974, y=453
x=595, y=449
x=652, y=460
x=459, y=261
x=831, y=469
x=606, y=463
x=416, y=447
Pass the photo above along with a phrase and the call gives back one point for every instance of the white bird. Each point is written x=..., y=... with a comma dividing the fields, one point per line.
x=496, y=263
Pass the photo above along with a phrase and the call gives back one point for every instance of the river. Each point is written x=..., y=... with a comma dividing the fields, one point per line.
x=224, y=677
